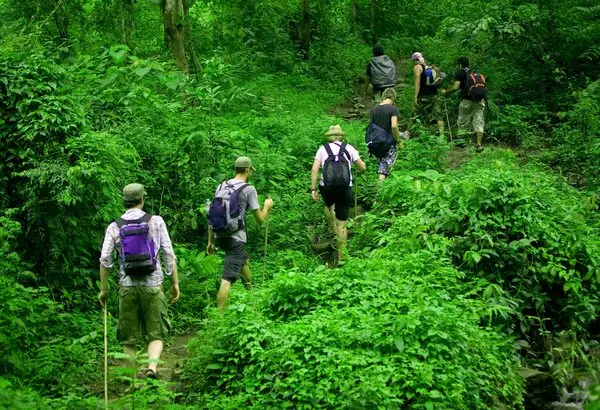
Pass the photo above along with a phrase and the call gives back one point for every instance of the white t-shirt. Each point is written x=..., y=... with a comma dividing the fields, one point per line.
x=335, y=149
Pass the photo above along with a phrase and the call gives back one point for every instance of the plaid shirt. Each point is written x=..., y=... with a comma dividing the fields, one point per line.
x=158, y=232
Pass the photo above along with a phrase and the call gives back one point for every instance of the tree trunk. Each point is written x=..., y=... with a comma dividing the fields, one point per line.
x=174, y=13
x=189, y=43
x=126, y=11
x=353, y=11
x=61, y=18
x=304, y=28
x=373, y=33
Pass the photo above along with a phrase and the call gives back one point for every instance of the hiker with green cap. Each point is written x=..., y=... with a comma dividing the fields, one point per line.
x=227, y=226
x=336, y=158
x=138, y=237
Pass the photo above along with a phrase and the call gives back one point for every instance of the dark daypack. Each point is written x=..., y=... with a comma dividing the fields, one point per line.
x=336, y=169
x=476, y=86
x=224, y=213
x=137, y=248
x=383, y=71
x=378, y=140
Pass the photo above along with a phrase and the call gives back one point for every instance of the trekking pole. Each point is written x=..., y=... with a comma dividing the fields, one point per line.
x=448, y=120
x=106, y=354
x=266, y=239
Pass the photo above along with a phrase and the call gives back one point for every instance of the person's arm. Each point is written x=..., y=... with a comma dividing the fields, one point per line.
x=174, y=285
x=395, y=130
x=417, y=70
x=452, y=89
x=103, y=285
x=170, y=260
x=106, y=262
x=314, y=174
x=210, y=248
x=360, y=165
x=261, y=214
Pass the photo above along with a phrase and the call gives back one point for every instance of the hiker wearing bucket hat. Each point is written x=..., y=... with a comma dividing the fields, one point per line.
x=227, y=226
x=138, y=237
x=335, y=158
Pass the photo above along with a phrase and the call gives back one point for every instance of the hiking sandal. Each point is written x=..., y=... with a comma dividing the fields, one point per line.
x=151, y=374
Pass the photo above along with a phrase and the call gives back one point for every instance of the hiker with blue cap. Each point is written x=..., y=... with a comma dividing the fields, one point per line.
x=138, y=237
x=227, y=226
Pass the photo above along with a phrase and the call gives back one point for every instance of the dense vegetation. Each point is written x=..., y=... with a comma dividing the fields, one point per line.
x=458, y=274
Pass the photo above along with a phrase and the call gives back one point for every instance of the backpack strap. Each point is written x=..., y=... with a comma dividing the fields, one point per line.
x=146, y=218
x=328, y=149
x=241, y=188
x=343, y=150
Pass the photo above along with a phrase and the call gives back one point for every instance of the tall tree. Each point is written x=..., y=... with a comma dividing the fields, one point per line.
x=372, y=10
x=304, y=29
x=174, y=13
x=127, y=24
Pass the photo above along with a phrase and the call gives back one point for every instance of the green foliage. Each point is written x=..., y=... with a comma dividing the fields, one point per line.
x=514, y=227
x=381, y=332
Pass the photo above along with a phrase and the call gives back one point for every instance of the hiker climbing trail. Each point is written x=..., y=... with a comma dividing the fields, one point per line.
x=443, y=277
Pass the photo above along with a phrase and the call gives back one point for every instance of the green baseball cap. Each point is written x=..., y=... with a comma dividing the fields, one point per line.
x=244, y=162
x=133, y=192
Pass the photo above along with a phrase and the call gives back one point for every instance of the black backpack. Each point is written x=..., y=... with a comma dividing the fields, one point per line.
x=475, y=85
x=336, y=169
x=378, y=140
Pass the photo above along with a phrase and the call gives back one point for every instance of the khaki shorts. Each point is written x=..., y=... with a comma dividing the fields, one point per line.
x=470, y=116
x=429, y=109
x=142, y=315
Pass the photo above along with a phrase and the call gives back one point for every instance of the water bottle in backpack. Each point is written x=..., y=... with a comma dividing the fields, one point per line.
x=137, y=249
x=224, y=213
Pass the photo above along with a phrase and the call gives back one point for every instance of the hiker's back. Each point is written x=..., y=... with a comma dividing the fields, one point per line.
x=382, y=114
x=383, y=71
x=431, y=79
x=246, y=198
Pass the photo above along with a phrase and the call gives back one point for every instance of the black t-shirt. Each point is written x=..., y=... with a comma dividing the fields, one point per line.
x=425, y=89
x=461, y=75
x=382, y=115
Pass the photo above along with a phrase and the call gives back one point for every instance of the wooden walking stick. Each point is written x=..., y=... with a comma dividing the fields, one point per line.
x=448, y=120
x=106, y=354
x=266, y=240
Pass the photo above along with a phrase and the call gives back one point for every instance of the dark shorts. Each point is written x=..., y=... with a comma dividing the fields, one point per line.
x=235, y=257
x=341, y=197
x=142, y=315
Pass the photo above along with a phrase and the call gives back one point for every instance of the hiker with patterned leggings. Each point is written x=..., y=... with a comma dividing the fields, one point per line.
x=336, y=158
x=138, y=237
x=227, y=226
x=473, y=93
x=384, y=117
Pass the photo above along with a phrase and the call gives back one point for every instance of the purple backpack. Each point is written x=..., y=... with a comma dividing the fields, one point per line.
x=224, y=213
x=137, y=250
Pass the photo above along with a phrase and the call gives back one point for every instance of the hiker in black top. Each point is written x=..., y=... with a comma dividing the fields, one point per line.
x=235, y=263
x=470, y=112
x=380, y=72
x=427, y=105
x=385, y=115
x=336, y=181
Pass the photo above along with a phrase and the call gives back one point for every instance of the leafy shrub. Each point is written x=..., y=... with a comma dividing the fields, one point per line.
x=380, y=332
x=515, y=227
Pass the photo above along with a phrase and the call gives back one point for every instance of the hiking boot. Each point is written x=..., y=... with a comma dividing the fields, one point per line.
x=151, y=374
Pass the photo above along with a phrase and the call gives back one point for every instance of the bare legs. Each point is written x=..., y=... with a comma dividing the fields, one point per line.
x=225, y=288
x=155, y=349
x=338, y=228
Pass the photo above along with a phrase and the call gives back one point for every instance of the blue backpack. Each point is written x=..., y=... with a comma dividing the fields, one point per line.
x=137, y=248
x=378, y=140
x=224, y=211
